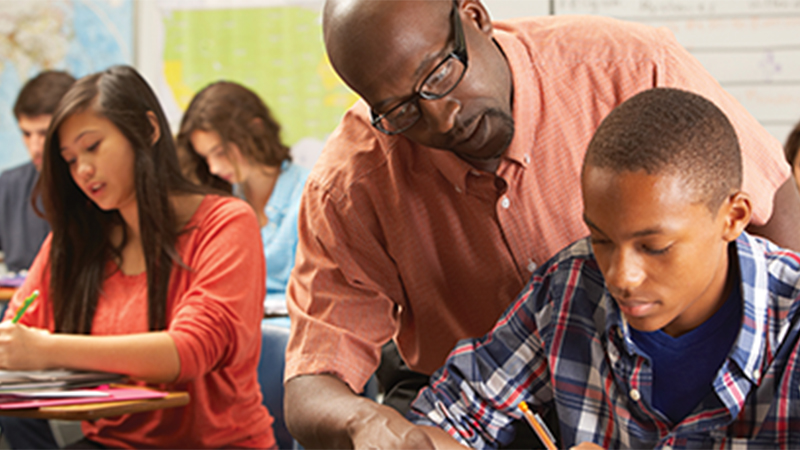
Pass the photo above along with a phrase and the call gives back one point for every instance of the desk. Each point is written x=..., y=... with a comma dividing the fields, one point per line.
x=6, y=293
x=91, y=411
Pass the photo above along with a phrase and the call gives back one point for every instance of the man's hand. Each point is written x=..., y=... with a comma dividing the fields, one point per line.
x=384, y=427
x=322, y=412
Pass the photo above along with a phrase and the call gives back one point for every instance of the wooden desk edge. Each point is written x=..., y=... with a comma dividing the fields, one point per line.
x=99, y=410
x=7, y=293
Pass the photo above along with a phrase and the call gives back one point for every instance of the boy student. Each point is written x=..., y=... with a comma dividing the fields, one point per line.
x=668, y=327
x=22, y=231
x=459, y=172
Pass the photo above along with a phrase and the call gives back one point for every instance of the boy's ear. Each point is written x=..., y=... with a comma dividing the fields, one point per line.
x=737, y=210
x=151, y=116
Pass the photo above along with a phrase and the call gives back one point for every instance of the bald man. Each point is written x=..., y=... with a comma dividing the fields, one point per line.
x=453, y=179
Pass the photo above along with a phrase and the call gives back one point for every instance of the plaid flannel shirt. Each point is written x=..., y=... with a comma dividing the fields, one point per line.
x=564, y=344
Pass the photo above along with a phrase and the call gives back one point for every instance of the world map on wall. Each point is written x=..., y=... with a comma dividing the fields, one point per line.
x=276, y=51
x=79, y=36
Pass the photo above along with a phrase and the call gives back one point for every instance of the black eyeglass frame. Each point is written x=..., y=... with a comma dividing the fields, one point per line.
x=459, y=52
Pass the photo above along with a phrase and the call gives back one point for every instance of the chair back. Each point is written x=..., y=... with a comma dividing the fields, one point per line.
x=270, y=375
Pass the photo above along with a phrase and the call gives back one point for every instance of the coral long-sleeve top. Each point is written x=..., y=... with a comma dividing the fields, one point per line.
x=214, y=313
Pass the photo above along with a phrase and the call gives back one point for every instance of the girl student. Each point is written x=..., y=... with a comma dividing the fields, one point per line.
x=144, y=274
x=233, y=141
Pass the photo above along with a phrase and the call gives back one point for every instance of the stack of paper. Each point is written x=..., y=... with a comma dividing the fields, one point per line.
x=101, y=394
x=19, y=380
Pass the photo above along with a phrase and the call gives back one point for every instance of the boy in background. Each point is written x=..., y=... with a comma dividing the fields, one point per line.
x=22, y=231
x=668, y=327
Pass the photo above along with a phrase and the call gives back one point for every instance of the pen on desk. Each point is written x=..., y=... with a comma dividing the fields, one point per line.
x=538, y=426
x=24, y=306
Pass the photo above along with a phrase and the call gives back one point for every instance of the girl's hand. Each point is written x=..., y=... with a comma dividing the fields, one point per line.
x=21, y=347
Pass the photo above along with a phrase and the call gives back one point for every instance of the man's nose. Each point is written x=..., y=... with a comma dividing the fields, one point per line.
x=440, y=115
x=38, y=143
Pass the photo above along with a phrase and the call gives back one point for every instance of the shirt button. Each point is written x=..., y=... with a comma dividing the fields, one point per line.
x=635, y=395
x=531, y=266
x=527, y=159
x=757, y=374
x=505, y=203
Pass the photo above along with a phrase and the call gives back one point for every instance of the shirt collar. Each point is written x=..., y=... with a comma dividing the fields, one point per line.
x=525, y=99
x=280, y=197
x=750, y=346
x=525, y=102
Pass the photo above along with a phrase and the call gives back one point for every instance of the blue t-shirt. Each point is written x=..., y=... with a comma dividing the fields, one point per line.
x=279, y=235
x=684, y=368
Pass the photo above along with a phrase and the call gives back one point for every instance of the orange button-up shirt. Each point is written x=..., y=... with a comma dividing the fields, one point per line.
x=406, y=242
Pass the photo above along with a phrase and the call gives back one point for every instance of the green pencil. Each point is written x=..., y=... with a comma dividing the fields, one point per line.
x=24, y=306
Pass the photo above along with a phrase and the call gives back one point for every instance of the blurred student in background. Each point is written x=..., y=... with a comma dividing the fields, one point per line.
x=21, y=229
x=234, y=142
x=145, y=274
x=791, y=149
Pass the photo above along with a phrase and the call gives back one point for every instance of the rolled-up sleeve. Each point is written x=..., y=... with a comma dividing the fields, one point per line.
x=216, y=320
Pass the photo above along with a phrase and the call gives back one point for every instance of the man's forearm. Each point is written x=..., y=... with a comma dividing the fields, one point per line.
x=322, y=412
x=318, y=409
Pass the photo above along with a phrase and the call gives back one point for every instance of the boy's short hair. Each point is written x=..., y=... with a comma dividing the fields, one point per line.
x=792, y=145
x=41, y=94
x=675, y=132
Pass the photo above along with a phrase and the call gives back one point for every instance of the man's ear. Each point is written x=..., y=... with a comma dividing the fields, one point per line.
x=151, y=116
x=738, y=211
x=478, y=14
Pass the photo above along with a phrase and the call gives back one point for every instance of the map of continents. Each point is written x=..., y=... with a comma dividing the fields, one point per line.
x=80, y=36
x=275, y=51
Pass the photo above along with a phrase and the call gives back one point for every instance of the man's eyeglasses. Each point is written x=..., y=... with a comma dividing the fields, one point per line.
x=439, y=82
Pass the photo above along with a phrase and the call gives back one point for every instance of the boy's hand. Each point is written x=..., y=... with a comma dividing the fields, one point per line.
x=586, y=446
x=20, y=347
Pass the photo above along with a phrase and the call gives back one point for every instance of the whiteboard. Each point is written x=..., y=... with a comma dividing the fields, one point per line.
x=752, y=47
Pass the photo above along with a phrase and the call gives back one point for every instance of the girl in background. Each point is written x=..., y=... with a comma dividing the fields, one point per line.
x=144, y=274
x=233, y=141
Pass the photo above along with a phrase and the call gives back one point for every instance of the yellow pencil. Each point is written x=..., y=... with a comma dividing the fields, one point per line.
x=538, y=426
